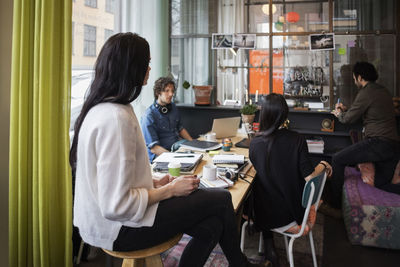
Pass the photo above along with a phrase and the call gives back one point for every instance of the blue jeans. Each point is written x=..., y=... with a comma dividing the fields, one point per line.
x=207, y=215
x=384, y=153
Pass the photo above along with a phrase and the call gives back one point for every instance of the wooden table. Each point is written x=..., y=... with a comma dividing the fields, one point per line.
x=241, y=188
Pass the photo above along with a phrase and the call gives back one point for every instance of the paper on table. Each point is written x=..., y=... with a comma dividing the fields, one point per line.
x=228, y=159
x=220, y=182
x=179, y=157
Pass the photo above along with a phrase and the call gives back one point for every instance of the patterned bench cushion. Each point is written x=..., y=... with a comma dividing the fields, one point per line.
x=371, y=216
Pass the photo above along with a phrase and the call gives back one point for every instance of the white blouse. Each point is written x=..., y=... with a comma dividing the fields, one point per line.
x=112, y=175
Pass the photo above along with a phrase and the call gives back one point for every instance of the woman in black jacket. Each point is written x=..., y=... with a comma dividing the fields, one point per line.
x=280, y=157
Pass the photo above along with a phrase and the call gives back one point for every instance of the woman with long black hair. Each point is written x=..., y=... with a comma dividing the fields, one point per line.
x=280, y=157
x=117, y=205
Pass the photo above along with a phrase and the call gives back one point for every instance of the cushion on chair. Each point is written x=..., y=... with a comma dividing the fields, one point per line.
x=371, y=215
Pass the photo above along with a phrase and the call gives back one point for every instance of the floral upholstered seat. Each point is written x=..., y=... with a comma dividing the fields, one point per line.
x=371, y=215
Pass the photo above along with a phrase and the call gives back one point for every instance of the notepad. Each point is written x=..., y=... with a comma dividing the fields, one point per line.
x=220, y=182
x=228, y=159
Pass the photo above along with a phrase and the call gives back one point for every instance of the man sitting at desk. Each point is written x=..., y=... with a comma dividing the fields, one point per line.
x=161, y=123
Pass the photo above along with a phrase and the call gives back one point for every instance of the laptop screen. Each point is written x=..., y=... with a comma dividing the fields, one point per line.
x=225, y=127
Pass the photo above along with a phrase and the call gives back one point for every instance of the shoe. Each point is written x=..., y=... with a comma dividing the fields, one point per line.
x=330, y=211
x=270, y=252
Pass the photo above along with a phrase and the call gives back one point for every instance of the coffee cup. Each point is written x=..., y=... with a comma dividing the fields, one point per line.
x=174, y=169
x=210, y=172
x=212, y=137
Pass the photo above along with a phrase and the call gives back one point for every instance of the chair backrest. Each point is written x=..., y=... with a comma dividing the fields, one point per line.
x=318, y=182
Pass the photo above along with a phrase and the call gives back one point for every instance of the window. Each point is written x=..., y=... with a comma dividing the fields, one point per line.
x=110, y=5
x=282, y=61
x=192, y=22
x=91, y=3
x=107, y=34
x=89, y=41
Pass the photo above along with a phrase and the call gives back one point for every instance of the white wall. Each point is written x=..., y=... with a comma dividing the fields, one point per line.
x=6, y=10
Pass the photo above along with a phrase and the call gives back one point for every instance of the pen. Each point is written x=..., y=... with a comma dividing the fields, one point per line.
x=188, y=156
x=338, y=102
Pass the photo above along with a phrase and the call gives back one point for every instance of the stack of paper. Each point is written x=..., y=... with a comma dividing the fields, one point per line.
x=228, y=159
x=315, y=146
x=188, y=161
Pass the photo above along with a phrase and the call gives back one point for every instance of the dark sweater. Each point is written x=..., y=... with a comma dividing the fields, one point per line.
x=278, y=189
x=374, y=105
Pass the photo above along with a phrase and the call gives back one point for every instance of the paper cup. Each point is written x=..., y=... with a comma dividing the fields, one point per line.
x=174, y=168
x=211, y=137
x=210, y=172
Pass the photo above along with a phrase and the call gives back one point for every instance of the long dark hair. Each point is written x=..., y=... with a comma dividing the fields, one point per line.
x=120, y=70
x=274, y=112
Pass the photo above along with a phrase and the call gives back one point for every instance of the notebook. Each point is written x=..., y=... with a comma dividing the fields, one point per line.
x=188, y=161
x=199, y=145
x=239, y=159
x=225, y=127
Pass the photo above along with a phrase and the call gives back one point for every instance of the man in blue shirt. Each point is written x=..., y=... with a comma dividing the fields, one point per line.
x=161, y=124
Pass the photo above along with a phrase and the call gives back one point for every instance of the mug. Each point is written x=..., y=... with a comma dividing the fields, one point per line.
x=174, y=168
x=211, y=137
x=210, y=172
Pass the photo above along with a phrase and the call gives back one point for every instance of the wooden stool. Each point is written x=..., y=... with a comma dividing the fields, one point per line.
x=150, y=256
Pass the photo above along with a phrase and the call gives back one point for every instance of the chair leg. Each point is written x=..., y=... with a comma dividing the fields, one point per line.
x=312, y=249
x=242, y=236
x=261, y=244
x=133, y=263
x=291, y=262
x=286, y=246
x=78, y=258
x=154, y=260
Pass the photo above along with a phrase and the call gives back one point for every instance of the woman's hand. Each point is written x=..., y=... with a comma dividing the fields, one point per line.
x=184, y=185
x=163, y=181
x=328, y=168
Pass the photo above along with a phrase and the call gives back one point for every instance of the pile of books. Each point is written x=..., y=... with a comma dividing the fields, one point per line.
x=188, y=161
x=315, y=145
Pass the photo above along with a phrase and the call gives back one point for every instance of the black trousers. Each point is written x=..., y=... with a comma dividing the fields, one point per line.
x=207, y=215
x=384, y=153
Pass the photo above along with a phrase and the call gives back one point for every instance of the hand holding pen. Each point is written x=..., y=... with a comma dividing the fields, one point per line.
x=339, y=108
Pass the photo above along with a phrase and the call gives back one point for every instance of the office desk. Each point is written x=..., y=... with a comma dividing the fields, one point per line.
x=241, y=188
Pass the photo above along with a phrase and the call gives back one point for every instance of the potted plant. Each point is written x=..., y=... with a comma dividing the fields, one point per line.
x=248, y=112
x=202, y=93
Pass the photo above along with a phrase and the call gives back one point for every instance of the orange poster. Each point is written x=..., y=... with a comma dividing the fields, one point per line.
x=259, y=72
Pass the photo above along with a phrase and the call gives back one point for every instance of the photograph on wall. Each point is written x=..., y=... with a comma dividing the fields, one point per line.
x=244, y=41
x=221, y=41
x=322, y=41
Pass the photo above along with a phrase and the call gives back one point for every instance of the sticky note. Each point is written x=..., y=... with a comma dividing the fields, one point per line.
x=351, y=43
x=342, y=51
x=213, y=153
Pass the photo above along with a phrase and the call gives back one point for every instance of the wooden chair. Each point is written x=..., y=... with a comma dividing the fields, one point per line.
x=150, y=256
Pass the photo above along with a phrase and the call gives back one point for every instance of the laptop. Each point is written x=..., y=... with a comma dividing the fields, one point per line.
x=225, y=127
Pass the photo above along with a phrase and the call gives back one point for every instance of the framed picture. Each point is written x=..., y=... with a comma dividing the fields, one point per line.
x=221, y=41
x=322, y=41
x=244, y=41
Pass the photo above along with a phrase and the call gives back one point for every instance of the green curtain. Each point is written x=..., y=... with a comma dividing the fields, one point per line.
x=40, y=202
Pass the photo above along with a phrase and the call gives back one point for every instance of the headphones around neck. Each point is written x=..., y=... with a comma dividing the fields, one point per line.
x=163, y=109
